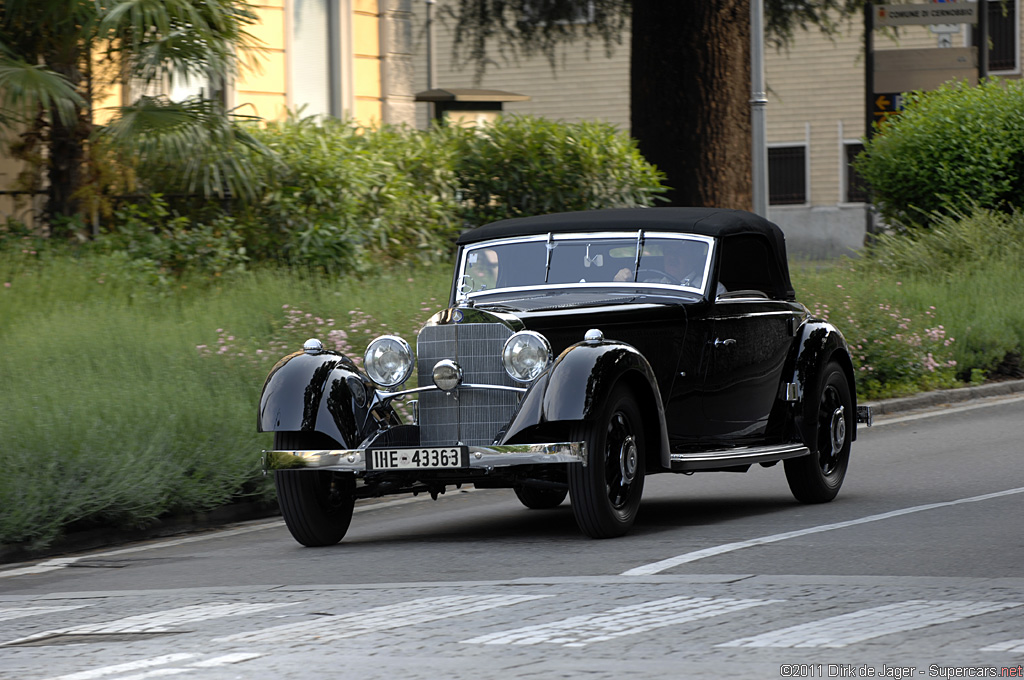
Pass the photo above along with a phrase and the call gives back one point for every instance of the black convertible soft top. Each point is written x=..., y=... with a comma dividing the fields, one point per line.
x=716, y=222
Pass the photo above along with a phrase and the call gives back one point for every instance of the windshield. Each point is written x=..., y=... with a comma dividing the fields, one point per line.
x=580, y=261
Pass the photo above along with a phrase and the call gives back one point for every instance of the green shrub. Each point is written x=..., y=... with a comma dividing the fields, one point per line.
x=166, y=244
x=949, y=150
x=341, y=197
x=954, y=245
x=523, y=165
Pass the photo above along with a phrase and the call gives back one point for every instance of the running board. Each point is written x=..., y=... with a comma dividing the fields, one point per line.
x=744, y=455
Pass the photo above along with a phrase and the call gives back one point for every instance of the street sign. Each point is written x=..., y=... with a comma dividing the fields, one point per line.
x=904, y=70
x=922, y=15
x=886, y=104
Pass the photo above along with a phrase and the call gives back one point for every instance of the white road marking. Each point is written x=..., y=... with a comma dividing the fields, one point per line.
x=579, y=631
x=156, y=673
x=124, y=667
x=376, y=619
x=157, y=622
x=1013, y=646
x=130, y=667
x=685, y=558
x=226, y=659
x=847, y=629
x=9, y=613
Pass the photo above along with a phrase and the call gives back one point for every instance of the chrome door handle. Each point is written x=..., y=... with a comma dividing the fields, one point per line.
x=724, y=343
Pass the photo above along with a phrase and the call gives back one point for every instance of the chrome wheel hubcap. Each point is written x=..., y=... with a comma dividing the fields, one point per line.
x=838, y=430
x=628, y=460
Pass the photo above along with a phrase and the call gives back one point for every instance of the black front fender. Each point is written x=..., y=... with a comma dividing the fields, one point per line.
x=317, y=392
x=577, y=383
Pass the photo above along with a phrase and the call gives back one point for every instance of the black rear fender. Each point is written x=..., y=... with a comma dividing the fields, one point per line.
x=819, y=342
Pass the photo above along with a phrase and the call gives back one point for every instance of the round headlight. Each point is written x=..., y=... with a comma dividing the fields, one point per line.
x=388, y=360
x=526, y=355
x=447, y=375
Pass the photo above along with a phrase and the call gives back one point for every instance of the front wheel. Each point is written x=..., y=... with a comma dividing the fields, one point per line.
x=605, y=493
x=816, y=478
x=316, y=505
x=536, y=498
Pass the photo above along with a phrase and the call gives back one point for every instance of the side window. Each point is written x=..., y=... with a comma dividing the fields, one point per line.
x=747, y=265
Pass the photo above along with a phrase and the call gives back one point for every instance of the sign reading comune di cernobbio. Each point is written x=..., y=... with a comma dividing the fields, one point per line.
x=961, y=12
x=922, y=15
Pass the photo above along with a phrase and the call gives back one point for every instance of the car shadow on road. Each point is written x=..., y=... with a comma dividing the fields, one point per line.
x=505, y=521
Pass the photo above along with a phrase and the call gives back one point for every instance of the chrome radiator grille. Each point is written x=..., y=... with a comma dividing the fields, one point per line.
x=476, y=416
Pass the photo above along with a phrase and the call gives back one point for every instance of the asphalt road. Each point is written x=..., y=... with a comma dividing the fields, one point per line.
x=914, y=571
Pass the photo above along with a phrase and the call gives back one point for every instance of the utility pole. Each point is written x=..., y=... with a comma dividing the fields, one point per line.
x=758, y=102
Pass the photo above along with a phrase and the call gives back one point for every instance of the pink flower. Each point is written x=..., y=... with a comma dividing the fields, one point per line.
x=7, y=284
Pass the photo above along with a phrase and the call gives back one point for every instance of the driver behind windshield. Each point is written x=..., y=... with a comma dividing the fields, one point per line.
x=682, y=264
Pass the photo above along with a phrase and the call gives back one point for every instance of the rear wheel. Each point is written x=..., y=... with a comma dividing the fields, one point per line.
x=816, y=478
x=540, y=499
x=606, y=491
x=316, y=504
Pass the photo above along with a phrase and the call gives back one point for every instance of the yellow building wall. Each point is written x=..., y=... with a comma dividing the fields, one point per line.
x=262, y=90
x=367, y=62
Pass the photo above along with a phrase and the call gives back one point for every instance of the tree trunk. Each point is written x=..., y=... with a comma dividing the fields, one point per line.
x=689, y=97
x=66, y=147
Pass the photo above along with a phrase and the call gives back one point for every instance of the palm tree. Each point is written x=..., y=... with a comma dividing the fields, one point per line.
x=49, y=51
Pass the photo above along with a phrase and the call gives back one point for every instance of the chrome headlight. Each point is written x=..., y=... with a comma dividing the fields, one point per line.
x=388, y=360
x=447, y=375
x=526, y=355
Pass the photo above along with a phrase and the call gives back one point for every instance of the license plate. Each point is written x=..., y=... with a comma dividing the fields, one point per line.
x=429, y=458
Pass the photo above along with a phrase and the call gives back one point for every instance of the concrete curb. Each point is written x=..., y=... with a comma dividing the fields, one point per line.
x=942, y=397
x=175, y=526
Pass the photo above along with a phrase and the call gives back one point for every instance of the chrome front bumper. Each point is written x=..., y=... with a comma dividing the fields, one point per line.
x=480, y=457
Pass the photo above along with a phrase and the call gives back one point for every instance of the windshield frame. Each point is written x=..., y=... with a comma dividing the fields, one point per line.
x=639, y=237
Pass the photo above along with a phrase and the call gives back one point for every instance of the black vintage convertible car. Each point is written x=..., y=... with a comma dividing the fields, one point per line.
x=579, y=353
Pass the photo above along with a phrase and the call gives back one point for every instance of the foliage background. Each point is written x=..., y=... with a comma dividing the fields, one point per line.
x=950, y=150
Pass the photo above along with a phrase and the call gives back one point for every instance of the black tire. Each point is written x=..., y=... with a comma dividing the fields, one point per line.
x=816, y=478
x=316, y=504
x=540, y=499
x=606, y=491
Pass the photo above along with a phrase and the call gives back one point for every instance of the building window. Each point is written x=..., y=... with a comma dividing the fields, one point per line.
x=567, y=12
x=1003, y=35
x=855, y=189
x=314, y=47
x=787, y=175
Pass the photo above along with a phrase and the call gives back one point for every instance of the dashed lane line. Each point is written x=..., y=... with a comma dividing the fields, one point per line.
x=867, y=624
x=580, y=631
x=156, y=622
x=134, y=666
x=376, y=619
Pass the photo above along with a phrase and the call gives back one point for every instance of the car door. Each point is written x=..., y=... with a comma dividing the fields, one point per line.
x=746, y=353
x=751, y=334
